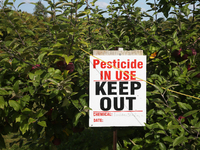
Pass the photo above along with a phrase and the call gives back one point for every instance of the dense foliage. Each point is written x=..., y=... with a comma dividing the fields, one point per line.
x=44, y=74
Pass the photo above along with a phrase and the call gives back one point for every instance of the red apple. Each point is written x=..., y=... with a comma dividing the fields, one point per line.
x=70, y=67
x=77, y=129
x=182, y=119
x=49, y=112
x=35, y=67
x=193, y=51
x=61, y=64
x=177, y=53
x=56, y=141
x=198, y=75
x=188, y=68
x=185, y=56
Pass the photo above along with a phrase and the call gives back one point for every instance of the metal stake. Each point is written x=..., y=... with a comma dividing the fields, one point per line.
x=115, y=139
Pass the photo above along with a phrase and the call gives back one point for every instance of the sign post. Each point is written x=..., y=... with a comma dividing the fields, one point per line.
x=117, y=97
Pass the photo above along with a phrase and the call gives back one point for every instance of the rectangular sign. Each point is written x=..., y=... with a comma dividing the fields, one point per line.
x=116, y=98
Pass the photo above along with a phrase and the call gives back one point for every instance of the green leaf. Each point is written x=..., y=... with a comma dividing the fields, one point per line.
x=161, y=132
x=21, y=4
x=174, y=35
x=78, y=115
x=82, y=99
x=39, y=72
x=162, y=146
x=65, y=102
x=29, y=31
x=184, y=105
x=5, y=3
x=42, y=123
x=48, y=24
x=179, y=140
x=182, y=62
x=24, y=127
x=2, y=102
x=31, y=75
x=1, y=33
x=10, y=3
x=159, y=88
x=51, y=12
x=84, y=43
x=46, y=49
x=34, y=3
x=14, y=104
x=57, y=54
x=7, y=10
x=53, y=81
x=185, y=10
x=166, y=10
x=136, y=147
x=31, y=120
x=41, y=56
x=68, y=58
x=153, y=28
x=190, y=113
x=57, y=3
x=3, y=92
x=18, y=119
x=26, y=110
x=194, y=74
x=167, y=139
x=84, y=113
x=54, y=93
x=174, y=127
x=148, y=134
x=81, y=14
x=16, y=86
x=171, y=86
x=67, y=4
x=151, y=126
x=51, y=70
x=57, y=45
x=40, y=113
x=160, y=126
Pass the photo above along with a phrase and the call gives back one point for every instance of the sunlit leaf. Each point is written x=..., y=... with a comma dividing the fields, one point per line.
x=21, y=4
x=42, y=123
x=179, y=140
x=2, y=102
x=14, y=104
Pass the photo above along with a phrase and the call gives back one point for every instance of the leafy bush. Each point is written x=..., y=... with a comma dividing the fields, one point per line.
x=44, y=74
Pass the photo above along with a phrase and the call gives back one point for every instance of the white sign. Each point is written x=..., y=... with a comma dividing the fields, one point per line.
x=117, y=99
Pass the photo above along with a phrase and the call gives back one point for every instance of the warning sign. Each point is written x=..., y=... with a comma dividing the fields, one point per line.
x=117, y=98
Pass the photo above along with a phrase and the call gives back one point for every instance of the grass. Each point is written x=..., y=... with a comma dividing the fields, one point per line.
x=9, y=139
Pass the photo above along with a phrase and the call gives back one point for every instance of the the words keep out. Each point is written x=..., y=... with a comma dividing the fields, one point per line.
x=125, y=88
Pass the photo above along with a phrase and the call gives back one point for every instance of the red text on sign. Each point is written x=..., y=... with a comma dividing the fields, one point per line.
x=102, y=114
x=98, y=120
x=118, y=64
x=119, y=75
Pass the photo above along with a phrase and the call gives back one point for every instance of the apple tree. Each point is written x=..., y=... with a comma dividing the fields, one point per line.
x=44, y=74
x=44, y=77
